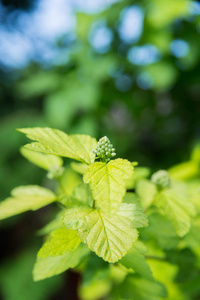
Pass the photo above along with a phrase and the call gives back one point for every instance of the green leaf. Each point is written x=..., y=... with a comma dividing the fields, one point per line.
x=44, y=161
x=96, y=282
x=81, y=196
x=146, y=190
x=132, y=198
x=68, y=182
x=192, y=239
x=163, y=13
x=139, y=173
x=50, y=266
x=79, y=167
x=61, y=240
x=95, y=269
x=184, y=171
x=30, y=197
x=110, y=237
x=84, y=24
x=177, y=208
x=195, y=156
x=54, y=141
x=135, y=260
x=107, y=182
x=95, y=290
x=161, y=230
x=141, y=289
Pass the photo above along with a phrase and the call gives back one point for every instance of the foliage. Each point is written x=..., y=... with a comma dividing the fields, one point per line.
x=141, y=90
x=101, y=221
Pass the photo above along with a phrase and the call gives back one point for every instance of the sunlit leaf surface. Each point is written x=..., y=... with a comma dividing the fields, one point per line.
x=54, y=141
x=44, y=161
x=177, y=208
x=50, y=266
x=61, y=241
x=23, y=198
x=107, y=182
x=109, y=237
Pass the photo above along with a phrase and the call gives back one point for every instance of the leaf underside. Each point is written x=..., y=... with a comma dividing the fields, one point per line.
x=109, y=237
x=54, y=141
x=107, y=182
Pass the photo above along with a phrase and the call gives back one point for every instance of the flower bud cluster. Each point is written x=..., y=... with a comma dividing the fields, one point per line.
x=161, y=179
x=104, y=149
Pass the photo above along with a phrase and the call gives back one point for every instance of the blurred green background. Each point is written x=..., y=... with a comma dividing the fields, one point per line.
x=126, y=69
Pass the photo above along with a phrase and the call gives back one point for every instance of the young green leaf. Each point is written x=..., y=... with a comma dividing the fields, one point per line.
x=81, y=196
x=61, y=240
x=161, y=231
x=135, y=260
x=96, y=283
x=139, y=173
x=177, y=208
x=107, y=182
x=30, y=197
x=54, y=141
x=146, y=190
x=68, y=181
x=50, y=266
x=79, y=167
x=184, y=170
x=134, y=288
x=109, y=237
x=44, y=161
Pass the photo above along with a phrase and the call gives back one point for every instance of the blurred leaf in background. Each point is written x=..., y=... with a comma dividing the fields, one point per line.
x=16, y=279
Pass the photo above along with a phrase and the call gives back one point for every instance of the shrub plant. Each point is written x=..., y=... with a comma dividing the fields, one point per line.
x=126, y=235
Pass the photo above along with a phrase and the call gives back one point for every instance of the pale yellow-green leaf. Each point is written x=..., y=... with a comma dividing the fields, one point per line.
x=160, y=231
x=139, y=173
x=146, y=190
x=184, y=171
x=79, y=167
x=84, y=22
x=81, y=196
x=107, y=182
x=135, y=260
x=68, y=182
x=162, y=13
x=50, y=266
x=110, y=237
x=54, y=141
x=177, y=208
x=82, y=193
x=60, y=241
x=44, y=161
x=140, y=288
x=195, y=155
x=30, y=197
x=97, y=289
